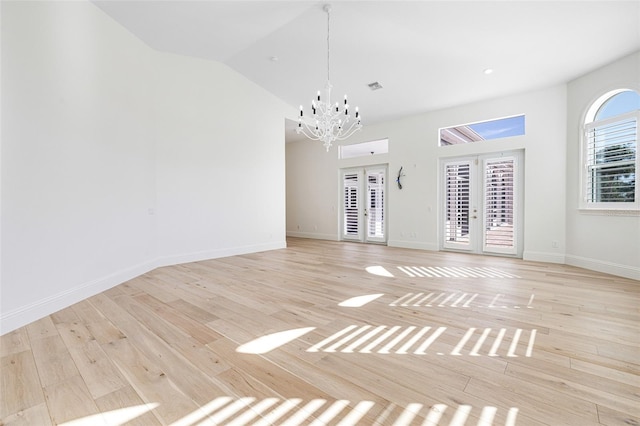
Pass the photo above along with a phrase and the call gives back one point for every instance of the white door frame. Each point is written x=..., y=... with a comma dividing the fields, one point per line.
x=474, y=237
x=363, y=205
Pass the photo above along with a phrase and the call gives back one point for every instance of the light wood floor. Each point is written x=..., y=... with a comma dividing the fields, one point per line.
x=288, y=337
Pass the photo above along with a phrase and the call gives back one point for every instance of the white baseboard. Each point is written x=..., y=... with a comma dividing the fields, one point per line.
x=313, y=235
x=24, y=315
x=626, y=271
x=413, y=245
x=538, y=256
x=215, y=254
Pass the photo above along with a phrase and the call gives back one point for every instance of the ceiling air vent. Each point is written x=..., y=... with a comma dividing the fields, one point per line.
x=375, y=85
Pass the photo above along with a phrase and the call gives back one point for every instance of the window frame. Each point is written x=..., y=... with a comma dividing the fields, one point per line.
x=589, y=122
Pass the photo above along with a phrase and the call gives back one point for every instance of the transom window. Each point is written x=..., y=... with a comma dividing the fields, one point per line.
x=610, y=152
x=482, y=131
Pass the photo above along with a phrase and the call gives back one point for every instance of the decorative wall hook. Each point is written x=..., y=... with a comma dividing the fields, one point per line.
x=399, y=177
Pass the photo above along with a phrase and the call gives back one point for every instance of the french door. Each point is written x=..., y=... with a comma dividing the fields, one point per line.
x=481, y=208
x=363, y=204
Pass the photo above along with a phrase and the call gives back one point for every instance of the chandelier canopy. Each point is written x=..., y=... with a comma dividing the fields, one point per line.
x=328, y=122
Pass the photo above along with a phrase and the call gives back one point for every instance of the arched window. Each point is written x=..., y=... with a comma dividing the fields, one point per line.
x=610, y=152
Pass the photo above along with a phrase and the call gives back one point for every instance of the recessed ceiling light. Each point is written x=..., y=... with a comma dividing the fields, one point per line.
x=488, y=71
x=274, y=59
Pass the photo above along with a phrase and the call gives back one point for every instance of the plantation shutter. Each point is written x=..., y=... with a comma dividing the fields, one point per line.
x=457, y=202
x=499, y=207
x=611, y=160
x=351, y=207
x=375, y=212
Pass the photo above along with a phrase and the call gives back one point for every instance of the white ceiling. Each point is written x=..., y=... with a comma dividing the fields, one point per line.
x=427, y=55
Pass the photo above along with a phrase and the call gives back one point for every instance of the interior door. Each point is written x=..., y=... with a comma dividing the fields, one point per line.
x=364, y=204
x=481, y=210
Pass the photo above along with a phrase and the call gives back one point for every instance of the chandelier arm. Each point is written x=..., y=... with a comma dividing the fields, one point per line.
x=344, y=134
x=309, y=131
x=308, y=135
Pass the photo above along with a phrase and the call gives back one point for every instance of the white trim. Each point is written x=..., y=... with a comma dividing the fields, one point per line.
x=216, y=254
x=590, y=114
x=538, y=256
x=362, y=173
x=608, y=212
x=26, y=314
x=477, y=170
x=413, y=245
x=313, y=235
x=626, y=271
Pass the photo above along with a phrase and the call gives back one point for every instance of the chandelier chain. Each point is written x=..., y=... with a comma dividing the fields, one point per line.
x=328, y=43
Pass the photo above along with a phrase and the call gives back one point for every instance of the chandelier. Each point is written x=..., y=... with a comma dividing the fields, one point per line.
x=328, y=122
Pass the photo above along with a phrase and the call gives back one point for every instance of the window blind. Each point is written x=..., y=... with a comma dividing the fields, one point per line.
x=611, y=151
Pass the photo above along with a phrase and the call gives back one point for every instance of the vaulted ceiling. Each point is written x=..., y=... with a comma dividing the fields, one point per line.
x=427, y=55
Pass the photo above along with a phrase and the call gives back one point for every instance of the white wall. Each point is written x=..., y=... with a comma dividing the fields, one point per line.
x=220, y=159
x=604, y=241
x=312, y=174
x=117, y=158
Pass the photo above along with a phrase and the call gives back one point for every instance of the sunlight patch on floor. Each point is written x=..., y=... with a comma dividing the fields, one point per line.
x=458, y=300
x=379, y=270
x=454, y=272
x=114, y=417
x=359, y=301
x=320, y=412
x=267, y=343
x=417, y=340
x=244, y=411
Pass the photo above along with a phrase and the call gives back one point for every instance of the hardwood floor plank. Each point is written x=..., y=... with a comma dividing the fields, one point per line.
x=150, y=382
x=96, y=369
x=607, y=372
x=603, y=391
x=553, y=408
x=124, y=399
x=36, y=415
x=74, y=334
x=20, y=386
x=69, y=400
x=14, y=342
x=189, y=326
x=104, y=331
x=44, y=327
x=53, y=361
x=611, y=417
